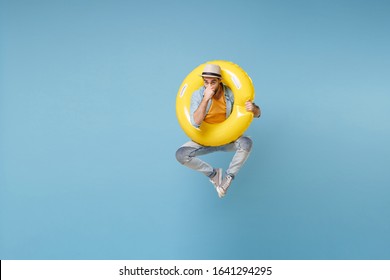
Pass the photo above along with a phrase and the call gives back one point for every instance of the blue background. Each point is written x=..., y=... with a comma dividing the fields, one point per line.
x=89, y=131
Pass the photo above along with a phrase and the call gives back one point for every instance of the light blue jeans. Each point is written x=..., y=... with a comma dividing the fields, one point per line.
x=189, y=152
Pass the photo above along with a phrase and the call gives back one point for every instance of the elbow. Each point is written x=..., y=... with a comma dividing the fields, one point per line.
x=195, y=123
x=196, y=120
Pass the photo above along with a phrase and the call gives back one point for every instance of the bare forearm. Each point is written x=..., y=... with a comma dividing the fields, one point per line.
x=200, y=113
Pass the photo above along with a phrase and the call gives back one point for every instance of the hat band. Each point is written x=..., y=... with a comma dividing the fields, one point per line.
x=211, y=74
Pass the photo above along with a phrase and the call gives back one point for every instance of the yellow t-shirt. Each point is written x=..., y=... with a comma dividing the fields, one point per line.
x=217, y=112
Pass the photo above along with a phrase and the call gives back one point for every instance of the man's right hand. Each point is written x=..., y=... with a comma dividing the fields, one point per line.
x=208, y=93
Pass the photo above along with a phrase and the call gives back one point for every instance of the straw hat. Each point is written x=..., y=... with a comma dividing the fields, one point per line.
x=212, y=70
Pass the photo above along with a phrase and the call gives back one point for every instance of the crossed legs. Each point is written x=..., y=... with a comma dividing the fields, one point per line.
x=189, y=153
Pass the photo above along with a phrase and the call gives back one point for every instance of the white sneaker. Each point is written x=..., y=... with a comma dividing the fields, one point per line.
x=221, y=192
x=216, y=181
x=226, y=183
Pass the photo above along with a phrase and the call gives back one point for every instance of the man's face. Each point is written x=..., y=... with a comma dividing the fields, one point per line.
x=213, y=83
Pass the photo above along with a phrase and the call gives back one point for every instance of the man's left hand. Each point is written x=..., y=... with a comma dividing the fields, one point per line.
x=252, y=107
x=249, y=106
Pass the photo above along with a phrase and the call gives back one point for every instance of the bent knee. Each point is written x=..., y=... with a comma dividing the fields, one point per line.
x=183, y=154
x=245, y=143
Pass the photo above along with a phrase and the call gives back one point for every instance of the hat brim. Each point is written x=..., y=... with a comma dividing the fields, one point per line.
x=210, y=76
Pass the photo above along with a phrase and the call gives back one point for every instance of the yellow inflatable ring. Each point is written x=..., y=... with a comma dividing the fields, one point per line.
x=235, y=125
